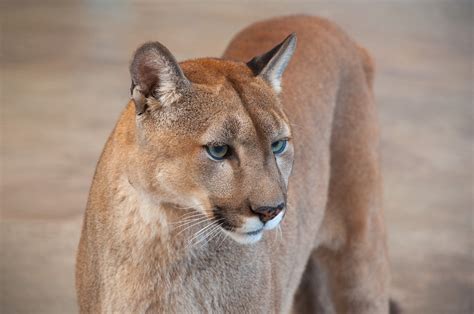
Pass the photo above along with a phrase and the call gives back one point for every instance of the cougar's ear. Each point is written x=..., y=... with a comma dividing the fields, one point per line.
x=155, y=73
x=271, y=65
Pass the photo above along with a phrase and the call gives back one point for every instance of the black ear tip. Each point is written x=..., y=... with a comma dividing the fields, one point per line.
x=292, y=38
x=150, y=50
x=147, y=49
x=149, y=45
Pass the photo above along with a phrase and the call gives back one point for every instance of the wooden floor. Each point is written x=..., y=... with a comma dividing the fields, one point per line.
x=64, y=80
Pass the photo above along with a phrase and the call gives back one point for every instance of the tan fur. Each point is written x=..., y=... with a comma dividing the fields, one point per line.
x=133, y=257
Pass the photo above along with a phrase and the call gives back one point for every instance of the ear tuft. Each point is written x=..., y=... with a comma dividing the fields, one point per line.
x=155, y=73
x=271, y=65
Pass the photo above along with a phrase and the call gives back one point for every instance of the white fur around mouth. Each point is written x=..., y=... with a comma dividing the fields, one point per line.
x=271, y=224
x=245, y=238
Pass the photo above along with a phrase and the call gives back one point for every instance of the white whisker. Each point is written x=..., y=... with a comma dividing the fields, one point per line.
x=192, y=224
x=211, y=232
x=202, y=230
x=188, y=222
x=222, y=239
x=205, y=232
x=194, y=214
x=189, y=219
x=215, y=234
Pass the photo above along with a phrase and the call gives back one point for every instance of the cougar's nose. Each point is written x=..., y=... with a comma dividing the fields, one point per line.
x=267, y=213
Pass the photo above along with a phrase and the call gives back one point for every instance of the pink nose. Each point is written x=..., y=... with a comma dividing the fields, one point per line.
x=267, y=213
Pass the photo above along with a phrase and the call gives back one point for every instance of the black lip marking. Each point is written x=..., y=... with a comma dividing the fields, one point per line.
x=222, y=220
x=254, y=232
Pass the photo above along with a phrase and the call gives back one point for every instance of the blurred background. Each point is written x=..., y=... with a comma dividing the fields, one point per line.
x=64, y=81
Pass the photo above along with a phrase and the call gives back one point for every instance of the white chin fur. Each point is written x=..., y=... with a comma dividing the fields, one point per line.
x=250, y=224
x=274, y=222
x=244, y=238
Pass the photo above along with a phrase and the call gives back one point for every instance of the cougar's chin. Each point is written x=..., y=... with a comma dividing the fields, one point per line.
x=245, y=238
x=249, y=232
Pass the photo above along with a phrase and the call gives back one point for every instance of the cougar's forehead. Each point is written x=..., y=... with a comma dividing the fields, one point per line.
x=245, y=126
x=241, y=122
x=227, y=103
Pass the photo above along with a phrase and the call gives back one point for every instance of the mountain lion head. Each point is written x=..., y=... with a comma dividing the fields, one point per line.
x=212, y=136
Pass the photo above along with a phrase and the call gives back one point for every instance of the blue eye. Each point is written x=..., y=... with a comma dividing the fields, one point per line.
x=217, y=152
x=279, y=147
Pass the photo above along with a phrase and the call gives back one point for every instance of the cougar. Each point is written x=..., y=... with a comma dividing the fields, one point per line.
x=243, y=184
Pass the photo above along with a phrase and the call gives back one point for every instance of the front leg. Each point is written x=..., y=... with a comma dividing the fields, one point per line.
x=312, y=295
x=354, y=259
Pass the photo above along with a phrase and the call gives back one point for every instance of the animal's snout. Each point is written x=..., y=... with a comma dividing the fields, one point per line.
x=267, y=213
